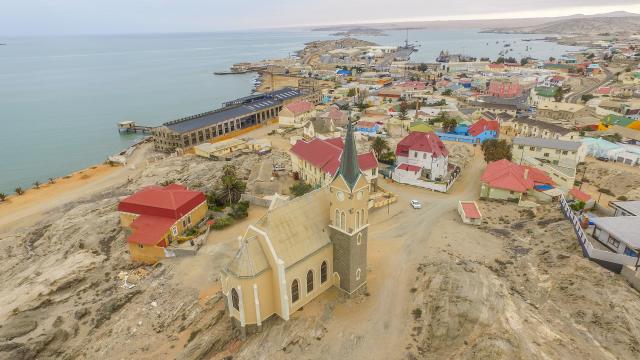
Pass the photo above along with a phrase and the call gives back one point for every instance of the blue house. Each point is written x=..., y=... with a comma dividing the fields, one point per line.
x=477, y=133
x=367, y=127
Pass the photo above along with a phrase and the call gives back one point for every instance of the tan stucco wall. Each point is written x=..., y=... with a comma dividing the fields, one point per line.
x=299, y=271
x=264, y=282
x=147, y=254
x=501, y=194
x=350, y=201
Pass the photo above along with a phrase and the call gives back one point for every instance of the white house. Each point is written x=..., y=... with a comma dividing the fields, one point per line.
x=426, y=151
x=296, y=114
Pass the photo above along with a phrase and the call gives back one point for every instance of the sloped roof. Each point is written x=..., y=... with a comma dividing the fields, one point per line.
x=298, y=228
x=503, y=174
x=470, y=209
x=547, y=143
x=579, y=195
x=482, y=125
x=349, y=167
x=407, y=167
x=172, y=201
x=325, y=154
x=250, y=259
x=422, y=141
x=299, y=107
x=149, y=230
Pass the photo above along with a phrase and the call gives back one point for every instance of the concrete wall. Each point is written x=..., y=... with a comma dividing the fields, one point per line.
x=632, y=276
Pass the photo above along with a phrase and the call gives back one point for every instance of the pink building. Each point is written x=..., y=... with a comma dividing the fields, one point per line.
x=504, y=88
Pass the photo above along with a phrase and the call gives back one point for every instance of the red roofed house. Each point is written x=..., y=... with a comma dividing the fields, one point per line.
x=504, y=88
x=469, y=212
x=317, y=161
x=296, y=114
x=505, y=180
x=156, y=215
x=579, y=195
x=422, y=150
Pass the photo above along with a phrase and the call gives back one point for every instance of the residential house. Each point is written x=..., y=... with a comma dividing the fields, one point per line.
x=504, y=180
x=477, y=133
x=317, y=161
x=626, y=208
x=617, y=120
x=369, y=128
x=562, y=111
x=530, y=127
x=296, y=114
x=559, y=158
x=157, y=216
x=618, y=233
x=426, y=151
x=578, y=195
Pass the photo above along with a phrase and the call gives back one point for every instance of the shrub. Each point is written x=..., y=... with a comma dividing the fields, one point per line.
x=300, y=188
x=621, y=198
x=240, y=210
x=577, y=206
x=19, y=190
x=417, y=313
x=606, y=191
x=222, y=222
x=3, y=196
x=36, y=184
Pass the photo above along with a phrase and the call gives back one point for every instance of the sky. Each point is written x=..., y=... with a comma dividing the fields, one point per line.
x=77, y=17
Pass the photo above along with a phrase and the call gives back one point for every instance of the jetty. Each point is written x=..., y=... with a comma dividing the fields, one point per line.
x=130, y=126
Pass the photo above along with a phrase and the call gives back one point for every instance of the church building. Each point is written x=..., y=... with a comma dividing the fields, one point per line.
x=302, y=247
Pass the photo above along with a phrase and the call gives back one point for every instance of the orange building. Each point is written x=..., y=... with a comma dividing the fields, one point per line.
x=156, y=216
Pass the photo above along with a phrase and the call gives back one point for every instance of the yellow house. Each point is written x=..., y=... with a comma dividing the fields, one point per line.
x=301, y=248
x=156, y=216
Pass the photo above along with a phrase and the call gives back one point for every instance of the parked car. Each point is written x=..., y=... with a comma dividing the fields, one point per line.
x=416, y=204
x=602, y=158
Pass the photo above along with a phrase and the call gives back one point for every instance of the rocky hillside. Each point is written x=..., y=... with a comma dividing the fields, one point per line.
x=580, y=26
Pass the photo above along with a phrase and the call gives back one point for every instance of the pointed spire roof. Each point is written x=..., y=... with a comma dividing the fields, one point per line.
x=349, y=168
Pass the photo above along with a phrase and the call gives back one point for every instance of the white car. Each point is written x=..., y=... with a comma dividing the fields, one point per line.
x=416, y=204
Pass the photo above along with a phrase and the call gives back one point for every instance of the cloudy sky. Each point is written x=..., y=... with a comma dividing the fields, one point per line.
x=53, y=17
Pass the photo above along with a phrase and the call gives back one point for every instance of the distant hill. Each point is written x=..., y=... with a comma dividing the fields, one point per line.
x=612, y=23
x=573, y=24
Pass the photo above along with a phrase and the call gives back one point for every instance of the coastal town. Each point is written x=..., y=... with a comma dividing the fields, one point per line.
x=356, y=202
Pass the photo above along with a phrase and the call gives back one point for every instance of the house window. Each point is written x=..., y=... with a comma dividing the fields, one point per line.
x=520, y=147
x=565, y=152
x=323, y=272
x=235, y=299
x=309, y=281
x=546, y=154
x=189, y=220
x=533, y=148
x=295, y=293
x=613, y=242
x=141, y=246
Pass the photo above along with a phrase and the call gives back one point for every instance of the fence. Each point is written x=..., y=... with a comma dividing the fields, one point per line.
x=608, y=259
x=254, y=200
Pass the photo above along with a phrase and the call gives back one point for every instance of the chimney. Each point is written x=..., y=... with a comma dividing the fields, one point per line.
x=526, y=173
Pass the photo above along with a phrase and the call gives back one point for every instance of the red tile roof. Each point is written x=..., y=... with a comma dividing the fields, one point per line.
x=325, y=154
x=503, y=174
x=149, y=230
x=172, y=201
x=422, y=141
x=579, y=195
x=470, y=210
x=407, y=167
x=300, y=107
x=415, y=85
x=482, y=125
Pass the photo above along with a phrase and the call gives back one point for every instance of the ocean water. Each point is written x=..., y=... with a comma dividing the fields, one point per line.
x=61, y=97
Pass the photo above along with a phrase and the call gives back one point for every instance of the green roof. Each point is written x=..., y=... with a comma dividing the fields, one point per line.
x=421, y=126
x=546, y=91
x=617, y=120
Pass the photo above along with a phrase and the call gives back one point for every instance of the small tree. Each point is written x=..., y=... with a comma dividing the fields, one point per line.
x=239, y=210
x=449, y=124
x=230, y=187
x=495, y=150
x=578, y=205
x=586, y=97
x=404, y=110
x=52, y=180
x=559, y=95
x=379, y=145
x=19, y=191
x=3, y=196
x=300, y=188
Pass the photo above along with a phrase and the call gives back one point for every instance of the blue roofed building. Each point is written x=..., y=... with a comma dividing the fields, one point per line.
x=234, y=115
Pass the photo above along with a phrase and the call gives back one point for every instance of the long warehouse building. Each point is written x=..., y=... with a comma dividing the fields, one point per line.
x=234, y=115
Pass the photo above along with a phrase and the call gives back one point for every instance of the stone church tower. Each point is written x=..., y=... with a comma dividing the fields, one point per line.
x=349, y=191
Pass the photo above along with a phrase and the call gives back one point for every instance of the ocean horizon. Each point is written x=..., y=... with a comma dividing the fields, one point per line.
x=62, y=96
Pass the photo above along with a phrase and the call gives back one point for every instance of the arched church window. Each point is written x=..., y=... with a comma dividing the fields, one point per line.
x=323, y=272
x=359, y=239
x=336, y=222
x=309, y=281
x=295, y=292
x=358, y=272
x=235, y=299
x=343, y=221
x=357, y=219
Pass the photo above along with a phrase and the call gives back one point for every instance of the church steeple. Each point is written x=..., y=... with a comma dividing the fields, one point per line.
x=349, y=168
